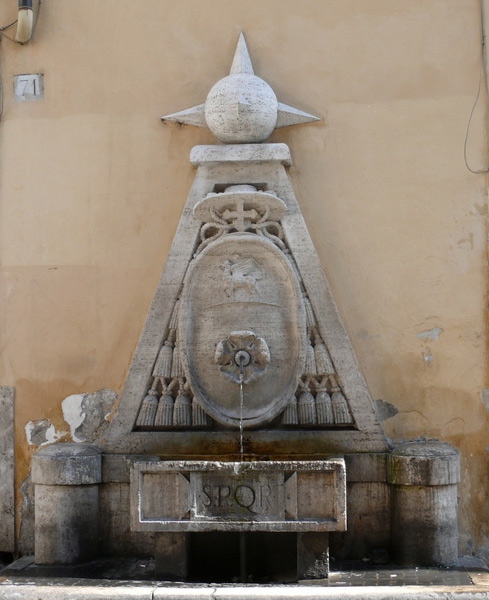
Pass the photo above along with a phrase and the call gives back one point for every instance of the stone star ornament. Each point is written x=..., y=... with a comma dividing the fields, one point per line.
x=241, y=108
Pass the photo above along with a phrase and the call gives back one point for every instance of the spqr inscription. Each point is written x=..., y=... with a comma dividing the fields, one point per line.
x=255, y=498
x=249, y=496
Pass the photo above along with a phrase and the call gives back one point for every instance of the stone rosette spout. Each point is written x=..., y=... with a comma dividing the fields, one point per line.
x=243, y=356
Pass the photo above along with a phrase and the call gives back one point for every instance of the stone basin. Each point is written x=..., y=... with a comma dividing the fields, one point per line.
x=185, y=496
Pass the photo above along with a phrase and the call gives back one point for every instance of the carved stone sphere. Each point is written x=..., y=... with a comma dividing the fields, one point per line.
x=241, y=109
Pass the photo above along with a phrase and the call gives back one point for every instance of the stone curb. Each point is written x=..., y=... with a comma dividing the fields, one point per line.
x=111, y=591
x=68, y=592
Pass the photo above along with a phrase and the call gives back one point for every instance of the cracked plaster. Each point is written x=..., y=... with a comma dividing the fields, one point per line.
x=41, y=432
x=87, y=414
x=430, y=334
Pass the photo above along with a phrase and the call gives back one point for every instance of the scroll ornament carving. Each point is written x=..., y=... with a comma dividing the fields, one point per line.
x=240, y=208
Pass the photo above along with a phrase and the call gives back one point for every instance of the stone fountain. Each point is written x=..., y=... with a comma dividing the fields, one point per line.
x=244, y=410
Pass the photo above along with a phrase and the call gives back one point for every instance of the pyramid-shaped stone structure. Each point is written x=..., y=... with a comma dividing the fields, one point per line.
x=243, y=334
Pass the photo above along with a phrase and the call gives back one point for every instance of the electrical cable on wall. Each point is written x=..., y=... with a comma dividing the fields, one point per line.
x=4, y=28
x=1, y=93
x=482, y=72
x=24, y=7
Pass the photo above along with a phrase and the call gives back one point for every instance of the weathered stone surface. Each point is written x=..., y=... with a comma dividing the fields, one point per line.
x=171, y=553
x=116, y=536
x=7, y=506
x=424, y=507
x=260, y=296
x=66, y=523
x=366, y=467
x=424, y=525
x=172, y=363
x=25, y=542
x=252, y=496
x=253, y=154
x=67, y=464
x=240, y=204
x=369, y=521
x=116, y=468
x=30, y=591
x=66, y=503
x=86, y=414
x=385, y=410
x=424, y=463
x=241, y=108
x=312, y=555
x=259, y=496
x=164, y=495
x=89, y=591
x=40, y=432
x=232, y=165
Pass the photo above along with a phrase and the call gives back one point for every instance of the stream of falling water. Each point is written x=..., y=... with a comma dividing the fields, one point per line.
x=242, y=358
x=242, y=534
x=241, y=401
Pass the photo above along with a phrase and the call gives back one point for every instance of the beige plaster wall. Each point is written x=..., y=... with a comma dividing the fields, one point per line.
x=92, y=186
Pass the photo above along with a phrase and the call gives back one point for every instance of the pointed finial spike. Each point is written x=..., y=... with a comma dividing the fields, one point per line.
x=241, y=60
x=288, y=115
x=190, y=116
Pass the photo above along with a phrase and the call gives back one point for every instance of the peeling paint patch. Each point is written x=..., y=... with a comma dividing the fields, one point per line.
x=430, y=334
x=39, y=433
x=87, y=414
x=485, y=398
x=428, y=357
x=72, y=413
x=385, y=410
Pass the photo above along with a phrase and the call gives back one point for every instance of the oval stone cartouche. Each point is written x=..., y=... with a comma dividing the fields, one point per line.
x=242, y=298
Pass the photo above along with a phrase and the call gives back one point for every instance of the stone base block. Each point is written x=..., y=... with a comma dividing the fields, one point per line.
x=66, y=529
x=312, y=555
x=66, y=478
x=171, y=555
x=425, y=526
x=424, y=477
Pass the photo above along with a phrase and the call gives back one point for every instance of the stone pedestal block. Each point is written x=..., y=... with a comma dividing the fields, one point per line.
x=171, y=555
x=368, y=509
x=424, y=503
x=66, y=503
x=312, y=555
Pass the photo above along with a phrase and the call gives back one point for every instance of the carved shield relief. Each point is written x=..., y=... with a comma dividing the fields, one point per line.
x=242, y=319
